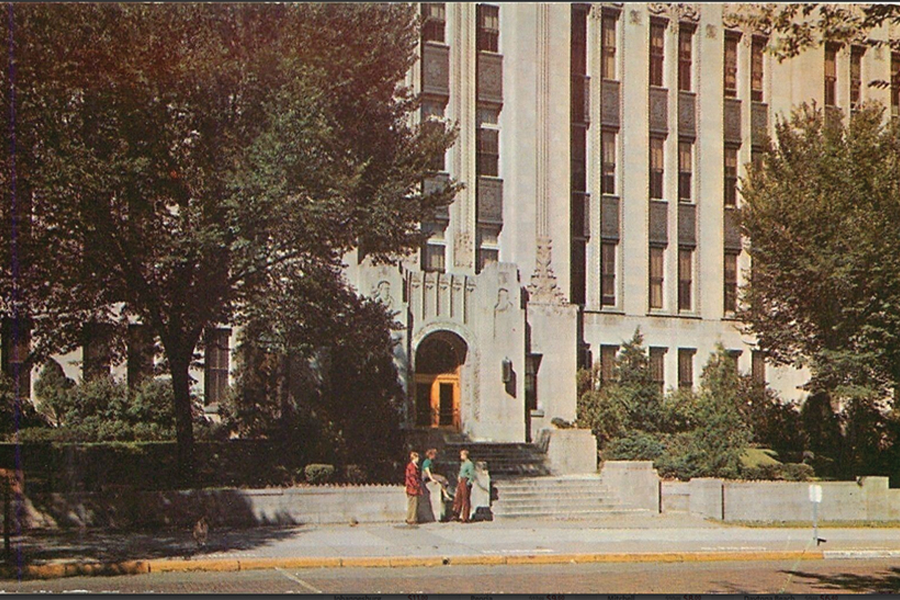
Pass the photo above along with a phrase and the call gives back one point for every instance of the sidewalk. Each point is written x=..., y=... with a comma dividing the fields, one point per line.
x=619, y=538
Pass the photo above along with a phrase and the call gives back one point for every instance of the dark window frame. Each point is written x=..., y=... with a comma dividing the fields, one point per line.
x=216, y=364
x=657, y=168
x=434, y=15
x=757, y=69
x=730, y=175
x=856, y=56
x=608, y=32
x=730, y=281
x=685, y=171
x=608, y=152
x=488, y=23
x=657, y=52
x=656, y=277
x=685, y=57
x=686, y=367
x=830, y=68
x=730, y=69
x=657, y=356
x=608, y=253
x=685, y=278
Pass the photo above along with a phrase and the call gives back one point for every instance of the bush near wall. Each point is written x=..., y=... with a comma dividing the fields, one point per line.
x=62, y=467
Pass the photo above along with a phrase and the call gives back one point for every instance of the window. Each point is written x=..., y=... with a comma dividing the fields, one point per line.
x=487, y=256
x=488, y=151
x=434, y=16
x=532, y=363
x=608, y=273
x=734, y=356
x=488, y=28
x=16, y=346
x=608, y=176
x=731, y=170
x=140, y=354
x=433, y=257
x=657, y=367
x=96, y=351
x=216, y=373
x=685, y=43
x=830, y=74
x=731, y=64
x=686, y=367
x=895, y=83
x=608, y=363
x=685, y=167
x=856, y=54
x=756, y=69
x=608, y=47
x=656, y=277
x=579, y=40
x=731, y=282
x=756, y=158
x=656, y=167
x=657, y=51
x=578, y=157
x=685, y=277
x=758, y=368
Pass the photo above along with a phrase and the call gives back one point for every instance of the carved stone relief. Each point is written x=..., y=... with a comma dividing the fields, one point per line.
x=382, y=293
x=462, y=251
x=543, y=288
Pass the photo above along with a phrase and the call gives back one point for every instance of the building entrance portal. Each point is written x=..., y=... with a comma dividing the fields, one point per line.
x=439, y=360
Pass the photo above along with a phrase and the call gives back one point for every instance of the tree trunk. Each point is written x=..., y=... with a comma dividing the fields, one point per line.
x=184, y=426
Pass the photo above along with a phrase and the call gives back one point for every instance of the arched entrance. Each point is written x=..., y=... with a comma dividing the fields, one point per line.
x=439, y=359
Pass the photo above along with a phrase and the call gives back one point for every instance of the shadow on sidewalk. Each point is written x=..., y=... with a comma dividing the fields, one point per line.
x=38, y=547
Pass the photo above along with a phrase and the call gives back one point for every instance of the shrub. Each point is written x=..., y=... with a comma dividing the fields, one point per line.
x=52, y=389
x=798, y=472
x=355, y=474
x=317, y=474
x=635, y=445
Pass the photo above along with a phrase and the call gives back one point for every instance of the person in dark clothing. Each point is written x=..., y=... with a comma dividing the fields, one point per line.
x=413, y=488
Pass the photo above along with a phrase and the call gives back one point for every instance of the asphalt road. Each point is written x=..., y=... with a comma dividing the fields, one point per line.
x=795, y=577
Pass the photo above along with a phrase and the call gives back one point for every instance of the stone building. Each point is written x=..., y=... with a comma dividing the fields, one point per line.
x=600, y=146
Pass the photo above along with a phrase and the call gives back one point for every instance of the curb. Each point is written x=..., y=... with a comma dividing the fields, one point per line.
x=57, y=570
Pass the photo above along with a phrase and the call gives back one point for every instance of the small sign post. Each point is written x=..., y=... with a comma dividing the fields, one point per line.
x=815, y=496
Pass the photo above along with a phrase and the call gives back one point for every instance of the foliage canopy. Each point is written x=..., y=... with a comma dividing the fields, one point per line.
x=179, y=163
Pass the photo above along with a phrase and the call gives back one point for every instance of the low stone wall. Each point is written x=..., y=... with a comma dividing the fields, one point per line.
x=868, y=499
x=635, y=482
x=126, y=508
x=570, y=451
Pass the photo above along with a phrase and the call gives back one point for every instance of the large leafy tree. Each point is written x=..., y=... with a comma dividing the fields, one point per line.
x=182, y=163
x=820, y=213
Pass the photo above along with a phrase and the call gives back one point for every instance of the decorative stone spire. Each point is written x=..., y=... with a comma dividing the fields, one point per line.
x=543, y=288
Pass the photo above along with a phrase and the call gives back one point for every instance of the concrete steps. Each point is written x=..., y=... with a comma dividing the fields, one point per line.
x=573, y=497
x=503, y=459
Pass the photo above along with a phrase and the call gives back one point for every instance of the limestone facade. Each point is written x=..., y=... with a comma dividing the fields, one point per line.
x=598, y=143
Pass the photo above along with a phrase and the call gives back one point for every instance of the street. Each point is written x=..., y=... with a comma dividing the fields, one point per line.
x=763, y=577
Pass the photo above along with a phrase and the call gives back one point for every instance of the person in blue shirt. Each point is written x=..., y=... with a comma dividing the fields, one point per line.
x=462, y=501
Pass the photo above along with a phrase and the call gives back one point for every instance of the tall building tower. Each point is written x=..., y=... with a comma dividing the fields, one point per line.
x=601, y=146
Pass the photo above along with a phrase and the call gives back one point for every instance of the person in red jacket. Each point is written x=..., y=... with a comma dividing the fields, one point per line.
x=413, y=488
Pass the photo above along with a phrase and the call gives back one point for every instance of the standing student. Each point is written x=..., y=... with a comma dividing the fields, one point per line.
x=413, y=488
x=462, y=501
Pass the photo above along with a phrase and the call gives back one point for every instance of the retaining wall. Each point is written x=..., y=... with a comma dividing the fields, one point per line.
x=635, y=482
x=867, y=499
x=126, y=508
